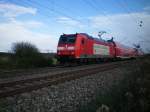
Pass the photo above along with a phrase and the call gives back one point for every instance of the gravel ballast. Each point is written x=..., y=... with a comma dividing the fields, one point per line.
x=65, y=97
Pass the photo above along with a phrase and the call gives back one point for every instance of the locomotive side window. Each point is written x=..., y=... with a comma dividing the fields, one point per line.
x=67, y=39
x=82, y=41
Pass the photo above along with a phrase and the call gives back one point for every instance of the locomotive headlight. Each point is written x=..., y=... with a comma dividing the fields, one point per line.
x=58, y=53
x=72, y=52
x=60, y=48
x=71, y=48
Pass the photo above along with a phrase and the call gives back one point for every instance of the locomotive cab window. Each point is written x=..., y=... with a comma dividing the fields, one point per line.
x=67, y=39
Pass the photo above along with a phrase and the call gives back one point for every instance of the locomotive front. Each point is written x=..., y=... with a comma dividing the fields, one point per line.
x=66, y=47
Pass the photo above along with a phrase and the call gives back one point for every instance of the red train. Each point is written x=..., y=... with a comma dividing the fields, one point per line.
x=82, y=47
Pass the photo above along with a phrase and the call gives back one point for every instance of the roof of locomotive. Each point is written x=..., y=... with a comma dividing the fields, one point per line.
x=90, y=37
x=94, y=38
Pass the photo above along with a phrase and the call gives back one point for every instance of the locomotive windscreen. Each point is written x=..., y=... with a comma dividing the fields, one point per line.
x=67, y=39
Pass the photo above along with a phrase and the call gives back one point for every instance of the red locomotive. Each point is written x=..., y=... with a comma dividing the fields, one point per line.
x=82, y=47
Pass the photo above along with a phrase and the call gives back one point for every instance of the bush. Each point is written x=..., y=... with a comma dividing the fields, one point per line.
x=6, y=61
x=27, y=55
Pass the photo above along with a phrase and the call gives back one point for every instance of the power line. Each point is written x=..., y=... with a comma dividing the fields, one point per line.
x=56, y=11
x=95, y=8
x=52, y=10
x=41, y=13
x=126, y=9
x=57, y=5
x=89, y=3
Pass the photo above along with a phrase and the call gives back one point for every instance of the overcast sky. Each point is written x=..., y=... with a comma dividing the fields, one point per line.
x=41, y=22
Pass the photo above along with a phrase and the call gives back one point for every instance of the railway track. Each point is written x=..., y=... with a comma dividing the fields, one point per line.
x=25, y=72
x=26, y=85
x=5, y=74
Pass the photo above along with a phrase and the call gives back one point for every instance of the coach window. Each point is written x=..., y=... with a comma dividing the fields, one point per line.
x=82, y=41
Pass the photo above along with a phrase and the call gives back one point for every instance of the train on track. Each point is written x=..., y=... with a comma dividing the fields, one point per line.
x=81, y=47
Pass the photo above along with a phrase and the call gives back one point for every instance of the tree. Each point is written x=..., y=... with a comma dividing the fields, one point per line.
x=26, y=54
